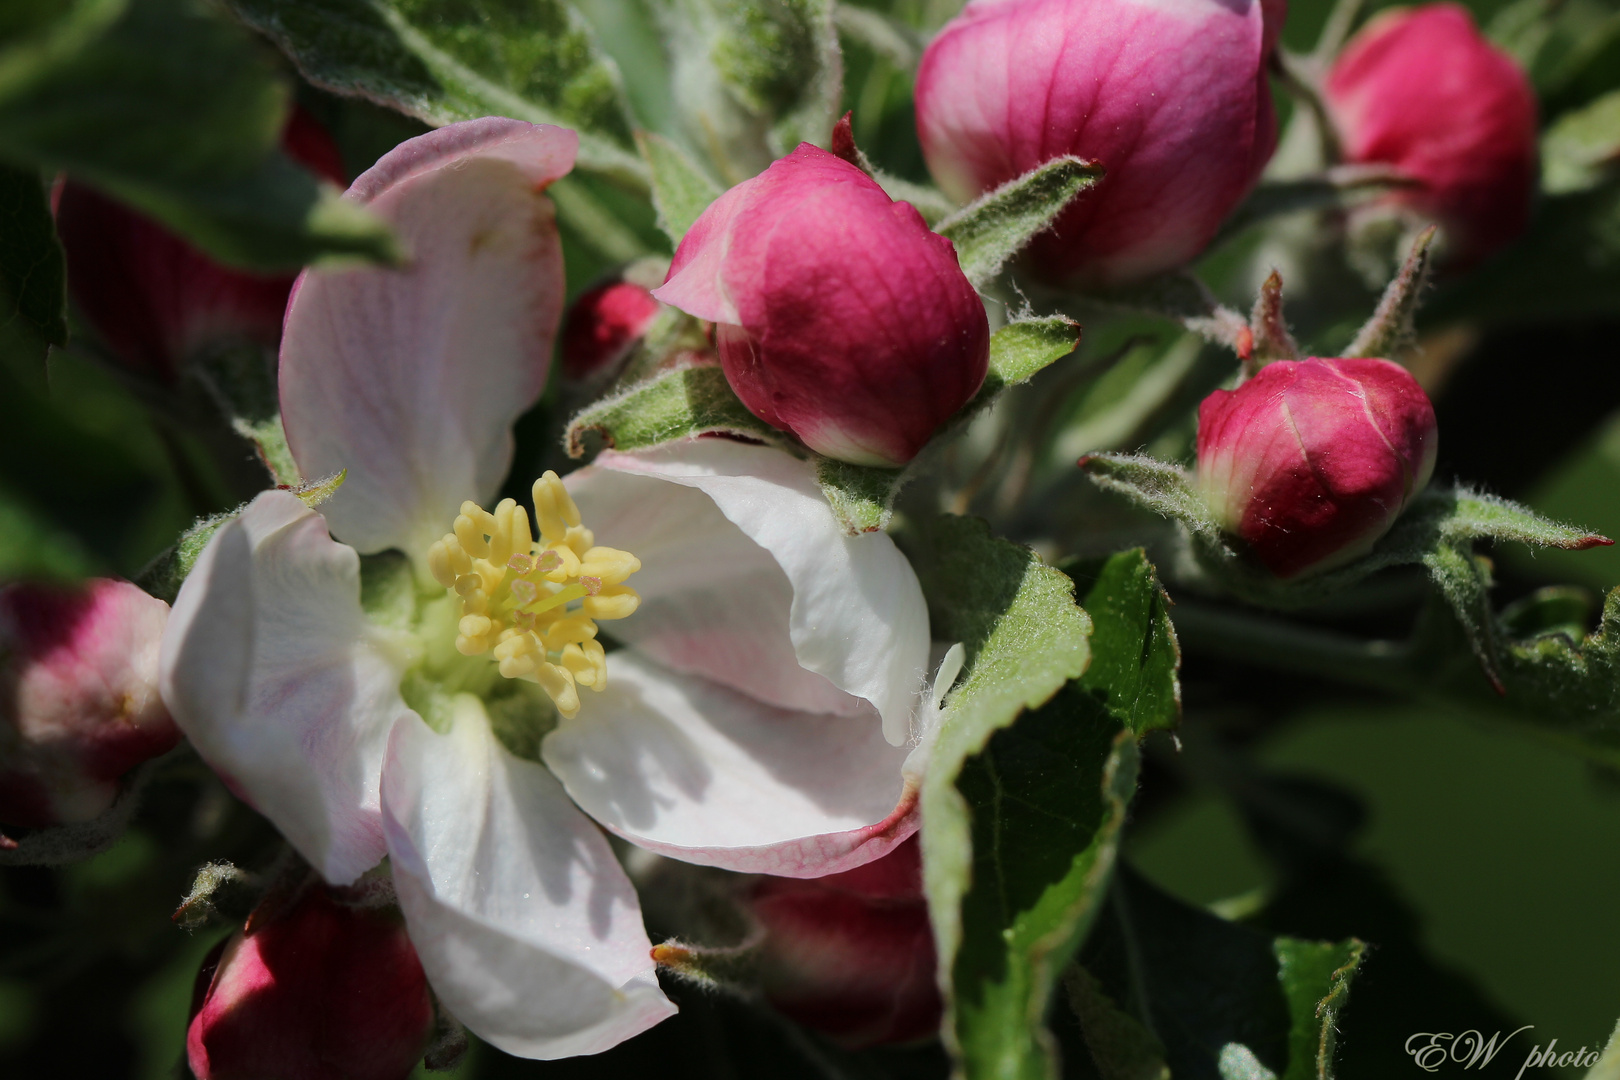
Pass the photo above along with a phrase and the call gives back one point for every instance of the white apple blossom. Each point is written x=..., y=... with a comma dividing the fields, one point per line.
x=765, y=655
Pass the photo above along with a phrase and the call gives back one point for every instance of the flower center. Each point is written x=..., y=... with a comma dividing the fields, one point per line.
x=535, y=605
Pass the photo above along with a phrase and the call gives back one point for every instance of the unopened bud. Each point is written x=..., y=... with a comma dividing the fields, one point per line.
x=1422, y=90
x=852, y=955
x=1311, y=461
x=155, y=300
x=839, y=316
x=604, y=324
x=79, y=704
x=312, y=989
x=1170, y=97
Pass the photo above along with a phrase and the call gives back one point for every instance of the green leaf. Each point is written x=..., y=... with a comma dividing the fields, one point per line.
x=1134, y=652
x=996, y=226
x=1223, y=999
x=447, y=60
x=1391, y=324
x=681, y=190
x=1581, y=150
x=676, y=404
x=1032, y=768
x=33, y=275
x=170, y=108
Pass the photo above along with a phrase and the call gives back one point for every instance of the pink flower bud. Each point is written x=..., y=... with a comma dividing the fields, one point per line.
x=312, y=990
x=79, y=704
x=152, y=297
x=852, y=954
x=1421, y=89
x=1311, y=461
x=1169, y=96
x=840, y=316
x=602, y=326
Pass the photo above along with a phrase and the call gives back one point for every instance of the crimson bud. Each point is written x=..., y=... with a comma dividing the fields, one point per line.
x=1311, y=461
x=839, y=316
x=1169, y=96
x=312, y=989
x=79, y=703
x=1422, y=90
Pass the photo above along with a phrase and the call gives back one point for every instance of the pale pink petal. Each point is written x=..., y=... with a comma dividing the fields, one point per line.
x=687, y=768
x=857, y=614
x=270, y=668
x=527, y=926
x=411, y=378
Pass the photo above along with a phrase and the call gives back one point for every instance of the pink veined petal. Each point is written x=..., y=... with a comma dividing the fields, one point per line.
x=857, y=614
x=694, y=283
x=411, y=378
x=527, y=926
x=269, y=667
x=688, y=768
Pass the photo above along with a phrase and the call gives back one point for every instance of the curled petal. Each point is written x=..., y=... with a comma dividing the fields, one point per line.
x=269, y=667
x=856, y=614
x=690, y=769
x=528, y=928
x=411, y=378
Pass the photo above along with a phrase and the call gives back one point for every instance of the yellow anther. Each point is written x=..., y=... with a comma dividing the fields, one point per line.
x=610, y=565
x=533, y=606
x=559, y=683
x=613, y=602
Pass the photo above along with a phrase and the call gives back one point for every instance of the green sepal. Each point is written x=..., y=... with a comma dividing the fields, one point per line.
x=1391, y=325
x=447, y=60
x=681, y=189
x=1272, y=340
x=670, y=406
x=993, y=228
x=172, y=109
x=1021, y=349
x=861, y=496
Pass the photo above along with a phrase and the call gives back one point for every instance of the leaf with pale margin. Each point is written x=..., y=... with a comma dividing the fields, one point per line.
x=1222, y=999
x=681, y=190
x=1391, y=325
x=676, y=404
x=33, y=275
x=993, y=228
x=447, y=60
x=863, y=497
x=172, y=109
x=1046, y=798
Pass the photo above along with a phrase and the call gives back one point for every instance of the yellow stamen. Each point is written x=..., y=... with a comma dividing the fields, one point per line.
x=518, y=595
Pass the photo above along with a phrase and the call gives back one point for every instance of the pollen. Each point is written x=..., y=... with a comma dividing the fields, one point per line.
x=533, y=605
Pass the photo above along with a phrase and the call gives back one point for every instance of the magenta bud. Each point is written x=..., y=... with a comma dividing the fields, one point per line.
x=839, y=316
x=852, y=955
x=1169, y=96
x=1422, y=90
x=154, y=299
x=312, y=990
x=79, y=704
x=1311, y=461
x=602, y=326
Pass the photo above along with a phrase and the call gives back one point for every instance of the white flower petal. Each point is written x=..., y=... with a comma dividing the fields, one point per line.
x=857, y=614
x=691, y=769
x=527, y=926
x=411, y=378
x=269, y=667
